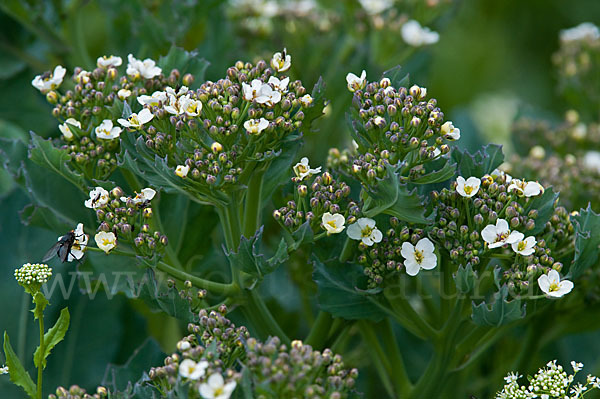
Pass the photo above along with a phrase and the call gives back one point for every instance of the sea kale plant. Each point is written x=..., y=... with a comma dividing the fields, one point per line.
x=197, y=192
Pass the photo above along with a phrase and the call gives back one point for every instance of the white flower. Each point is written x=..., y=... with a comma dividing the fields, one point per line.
x=579, y=131
x=251, y=91
x=306, y=100
x=123, y=94
x=64, y=128
x=268, y=96
x=155, y=99
x=591, y=160
x=356, y=83
x=523, y=246
x=145, y=196
x=526, y=188
x=585, y=30
x=106, y=62
x=183, y=104
x=106, y=240
x=467, y=188
x=281, y=61
x=416, y=36
x=136, y=121
x=496, y=173
x=192, y=107
x=512, y=377
x=146, y=68
x=83, y=77
x=255, y=126
x=418, y=92
x=576, y=366
x=280, y=85
x=364, y=230
x=192, y=370
x=374, y=7
x=182, y=91
x=420, y=256
x=79, y=245
x=302, y=169
x=3, y=370
x=499, y=235
x=333, y=223
x=106, y=130
x=182, y=170
x=552, y=286
x=50, y=80
x=183, y=345
x=450, y=132
x=216, y=388
x=98, y=198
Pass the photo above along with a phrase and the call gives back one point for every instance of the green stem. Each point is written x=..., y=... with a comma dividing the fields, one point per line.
x=261, y=316
x=406, y=315
x=80, y=38
x=399, y=377
x=40, y=366
x=320, y=330
x=131, y=180
x=253, y=206
x=378, y=355
x=212, y=286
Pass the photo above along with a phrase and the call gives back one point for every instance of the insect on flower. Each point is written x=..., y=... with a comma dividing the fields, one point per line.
x=69, y=247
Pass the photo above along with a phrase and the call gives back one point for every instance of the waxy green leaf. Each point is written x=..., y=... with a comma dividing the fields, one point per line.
x=500, y=312
x=52, y=337
x=587, y=241
x=18, y=375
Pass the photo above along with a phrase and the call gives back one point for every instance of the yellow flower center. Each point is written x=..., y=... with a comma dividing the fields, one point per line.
x=419, y=256
x=106, y=242
x=553, y=287
x=219, y=391
x=302, y=168
x=332, y=223
x=468, y=190
x=133, y=119
x=366, y=232
x=521, y=245
x=501, y=236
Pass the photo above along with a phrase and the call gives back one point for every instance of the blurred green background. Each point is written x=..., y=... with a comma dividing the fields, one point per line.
x=492, y=62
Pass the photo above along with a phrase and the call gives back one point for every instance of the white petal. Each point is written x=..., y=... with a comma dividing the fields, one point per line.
x=429, y=261
x=553, y=276
x=376, y=235
x=565, y=287
x=425, y=245
x=368, y=241
x=354, y=231
x=502, y=226
x=412, y=267
x=489, y=233
x=408, y=250
x=544, y=283
x=215, y=381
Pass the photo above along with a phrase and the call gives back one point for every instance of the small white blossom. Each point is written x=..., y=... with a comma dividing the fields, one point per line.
x=182, y=170
x=306, y=100
x=333, y=223
x=155, y=99
x=49, y=81
x=591, y=160
x=3, y=370
x=123, y=94
x=552, y=286
x=183, y=90
x=420, y=256
x=65, y=130
x=106, y=62
x=525, y=188
x=98, y=198
x=280, y=85
x=191, y=370
x=83, y=77
x=182, y=345
x=418, y=92
x=145, y=196
x=524, y=246
x=450, y=132
x=499, y=234
x=496, y=173
x=136, y=121
x=576, y=366
x=216, y=388
x=78, y=248
x=268, y=96
x=356, y=83
x=512, y=377
x=302, y=169
x=255, y=126
x=252, y=90
x=107, y=131
x=106, y=240
x=585, y=30
x=467, y=188
x=365, y=230
x=281, y=61
x=416, y=36
x=374, y=7
x=146, y=68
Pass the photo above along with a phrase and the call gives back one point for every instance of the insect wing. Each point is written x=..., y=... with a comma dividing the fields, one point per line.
x=52, y=252
x=63, y=251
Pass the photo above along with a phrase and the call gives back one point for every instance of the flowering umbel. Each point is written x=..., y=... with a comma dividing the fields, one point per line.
x=33, y=276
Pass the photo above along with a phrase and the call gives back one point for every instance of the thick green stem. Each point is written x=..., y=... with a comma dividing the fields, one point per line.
x=253, y=206
x=213, y=287
x=402, y=384
x=378, y=355
x=320, y=330
x=40, y=365
x=262, y=318
x=406, y=315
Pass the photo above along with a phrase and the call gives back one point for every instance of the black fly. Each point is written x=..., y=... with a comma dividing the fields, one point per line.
x=62, y=248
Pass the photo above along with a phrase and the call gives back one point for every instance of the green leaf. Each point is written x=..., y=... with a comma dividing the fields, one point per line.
x=544, y=204
x=43, y=153
x=303, y=235
x=279, y=169
x=185, y=62
x=40, y=304
x=482, y=162
x=52, y=337
x=437, y=171
x=338, y=292
x=500, y=312
x=587, y=241
x=316, y=110
x=249, y=259
x=393, y=198
x=17, y=372
x=465, y=278
x=397, y=77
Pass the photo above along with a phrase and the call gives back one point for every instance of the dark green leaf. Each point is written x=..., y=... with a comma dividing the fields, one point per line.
x=249, y=259
x=397, y=77
x=52, y=337
x=17, y=372
x=40, y=304
x=482, y=162
x=465, y=278
x=500, y=312
x=437, y=171
x=338, y=292
x=544, y=204
x=587, y=241
x=185, y=62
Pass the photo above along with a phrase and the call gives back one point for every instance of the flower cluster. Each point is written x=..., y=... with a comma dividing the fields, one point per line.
x=550, y=382
x=126, y=218
x=88, y=105
x=76, y=392
x=33, y=276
